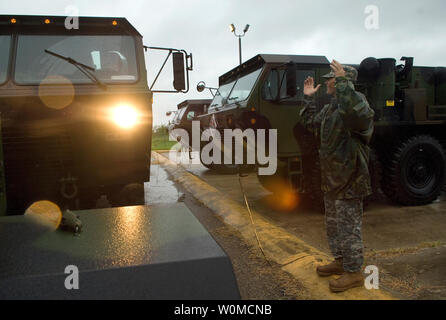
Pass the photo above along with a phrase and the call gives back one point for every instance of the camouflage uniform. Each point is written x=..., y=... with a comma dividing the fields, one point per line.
x=343, y=128
x=343, y=221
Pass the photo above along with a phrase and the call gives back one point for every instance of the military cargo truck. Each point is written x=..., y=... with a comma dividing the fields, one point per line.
x=76, y=122
x=186, y=112
x=76, y=110
x=407, y=159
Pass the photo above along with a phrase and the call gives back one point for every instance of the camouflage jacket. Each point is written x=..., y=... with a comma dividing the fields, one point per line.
x=344, y=129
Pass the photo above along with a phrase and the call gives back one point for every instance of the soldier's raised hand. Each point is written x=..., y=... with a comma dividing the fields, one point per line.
x=309, y=88
x=337, y=68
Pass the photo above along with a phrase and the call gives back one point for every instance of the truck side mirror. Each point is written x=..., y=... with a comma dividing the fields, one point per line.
x=291, y=80
x=201, y=86
x=191, y=115
x=179, y=82
x=182, y=64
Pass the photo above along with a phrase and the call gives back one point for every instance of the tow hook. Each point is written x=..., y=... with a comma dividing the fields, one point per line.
x=71, y=222
x=68, y=181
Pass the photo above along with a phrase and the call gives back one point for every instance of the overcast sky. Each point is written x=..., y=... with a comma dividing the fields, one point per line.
x=333, y=28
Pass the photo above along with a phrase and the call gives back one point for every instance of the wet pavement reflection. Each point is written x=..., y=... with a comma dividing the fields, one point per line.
x=161, y=189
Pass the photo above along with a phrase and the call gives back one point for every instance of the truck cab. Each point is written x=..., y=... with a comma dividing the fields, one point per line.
x=255, y=95
x=76, y=111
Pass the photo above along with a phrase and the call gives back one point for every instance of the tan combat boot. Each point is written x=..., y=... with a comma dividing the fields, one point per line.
x=334, y=267
x=347, y=281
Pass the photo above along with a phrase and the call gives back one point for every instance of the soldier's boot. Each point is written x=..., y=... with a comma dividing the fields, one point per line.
x=334, y=267
x=347, y=281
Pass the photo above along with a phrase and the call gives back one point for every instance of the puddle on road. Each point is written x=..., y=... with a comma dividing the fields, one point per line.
x=160, y=189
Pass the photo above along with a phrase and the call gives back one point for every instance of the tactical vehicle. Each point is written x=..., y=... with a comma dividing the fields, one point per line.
x=76, y=115
x=187, y=111
x=76, y=110
x=407, y=159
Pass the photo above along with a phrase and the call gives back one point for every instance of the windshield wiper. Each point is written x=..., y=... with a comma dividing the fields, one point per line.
x=86, y=70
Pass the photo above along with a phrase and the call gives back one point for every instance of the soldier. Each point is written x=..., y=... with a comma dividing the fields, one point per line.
x=343, y=128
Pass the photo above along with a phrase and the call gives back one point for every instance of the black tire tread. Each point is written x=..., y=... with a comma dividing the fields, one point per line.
x=376, y=177
x=391, y=184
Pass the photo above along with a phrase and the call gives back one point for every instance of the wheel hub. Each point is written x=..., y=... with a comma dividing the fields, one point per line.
x=420, y=171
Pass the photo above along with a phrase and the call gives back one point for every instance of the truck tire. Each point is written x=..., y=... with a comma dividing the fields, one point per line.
x=376, y=175
x=415, y=171
x=228, y=168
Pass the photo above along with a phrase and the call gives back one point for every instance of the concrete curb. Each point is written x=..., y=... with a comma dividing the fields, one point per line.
x=294, y=255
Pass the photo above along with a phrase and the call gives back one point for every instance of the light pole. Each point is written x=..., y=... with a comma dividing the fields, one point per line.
x=232, y=28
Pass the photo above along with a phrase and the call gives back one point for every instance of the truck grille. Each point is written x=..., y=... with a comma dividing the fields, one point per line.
x=34, y=165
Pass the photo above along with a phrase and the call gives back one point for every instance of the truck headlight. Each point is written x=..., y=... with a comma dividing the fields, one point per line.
x=125, y=116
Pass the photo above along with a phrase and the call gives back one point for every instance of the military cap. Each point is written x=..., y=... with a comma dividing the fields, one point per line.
x=350, y=73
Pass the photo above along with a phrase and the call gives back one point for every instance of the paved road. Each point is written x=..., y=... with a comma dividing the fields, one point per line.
x=408, y=244
x=255, y=277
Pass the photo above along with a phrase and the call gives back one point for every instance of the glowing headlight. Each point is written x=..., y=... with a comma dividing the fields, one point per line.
x=125, y=116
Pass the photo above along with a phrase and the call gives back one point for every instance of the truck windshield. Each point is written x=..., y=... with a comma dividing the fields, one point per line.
x=112, y=57
x=5, y=44
x=235, y=91
x=180, y=113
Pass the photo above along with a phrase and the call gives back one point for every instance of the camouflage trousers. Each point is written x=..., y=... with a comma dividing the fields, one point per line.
x=343, y=221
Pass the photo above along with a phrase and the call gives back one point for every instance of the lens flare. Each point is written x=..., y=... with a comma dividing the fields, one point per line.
x=49, y=98
x=284, y=197
x=125, y=116
x=45, y=213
